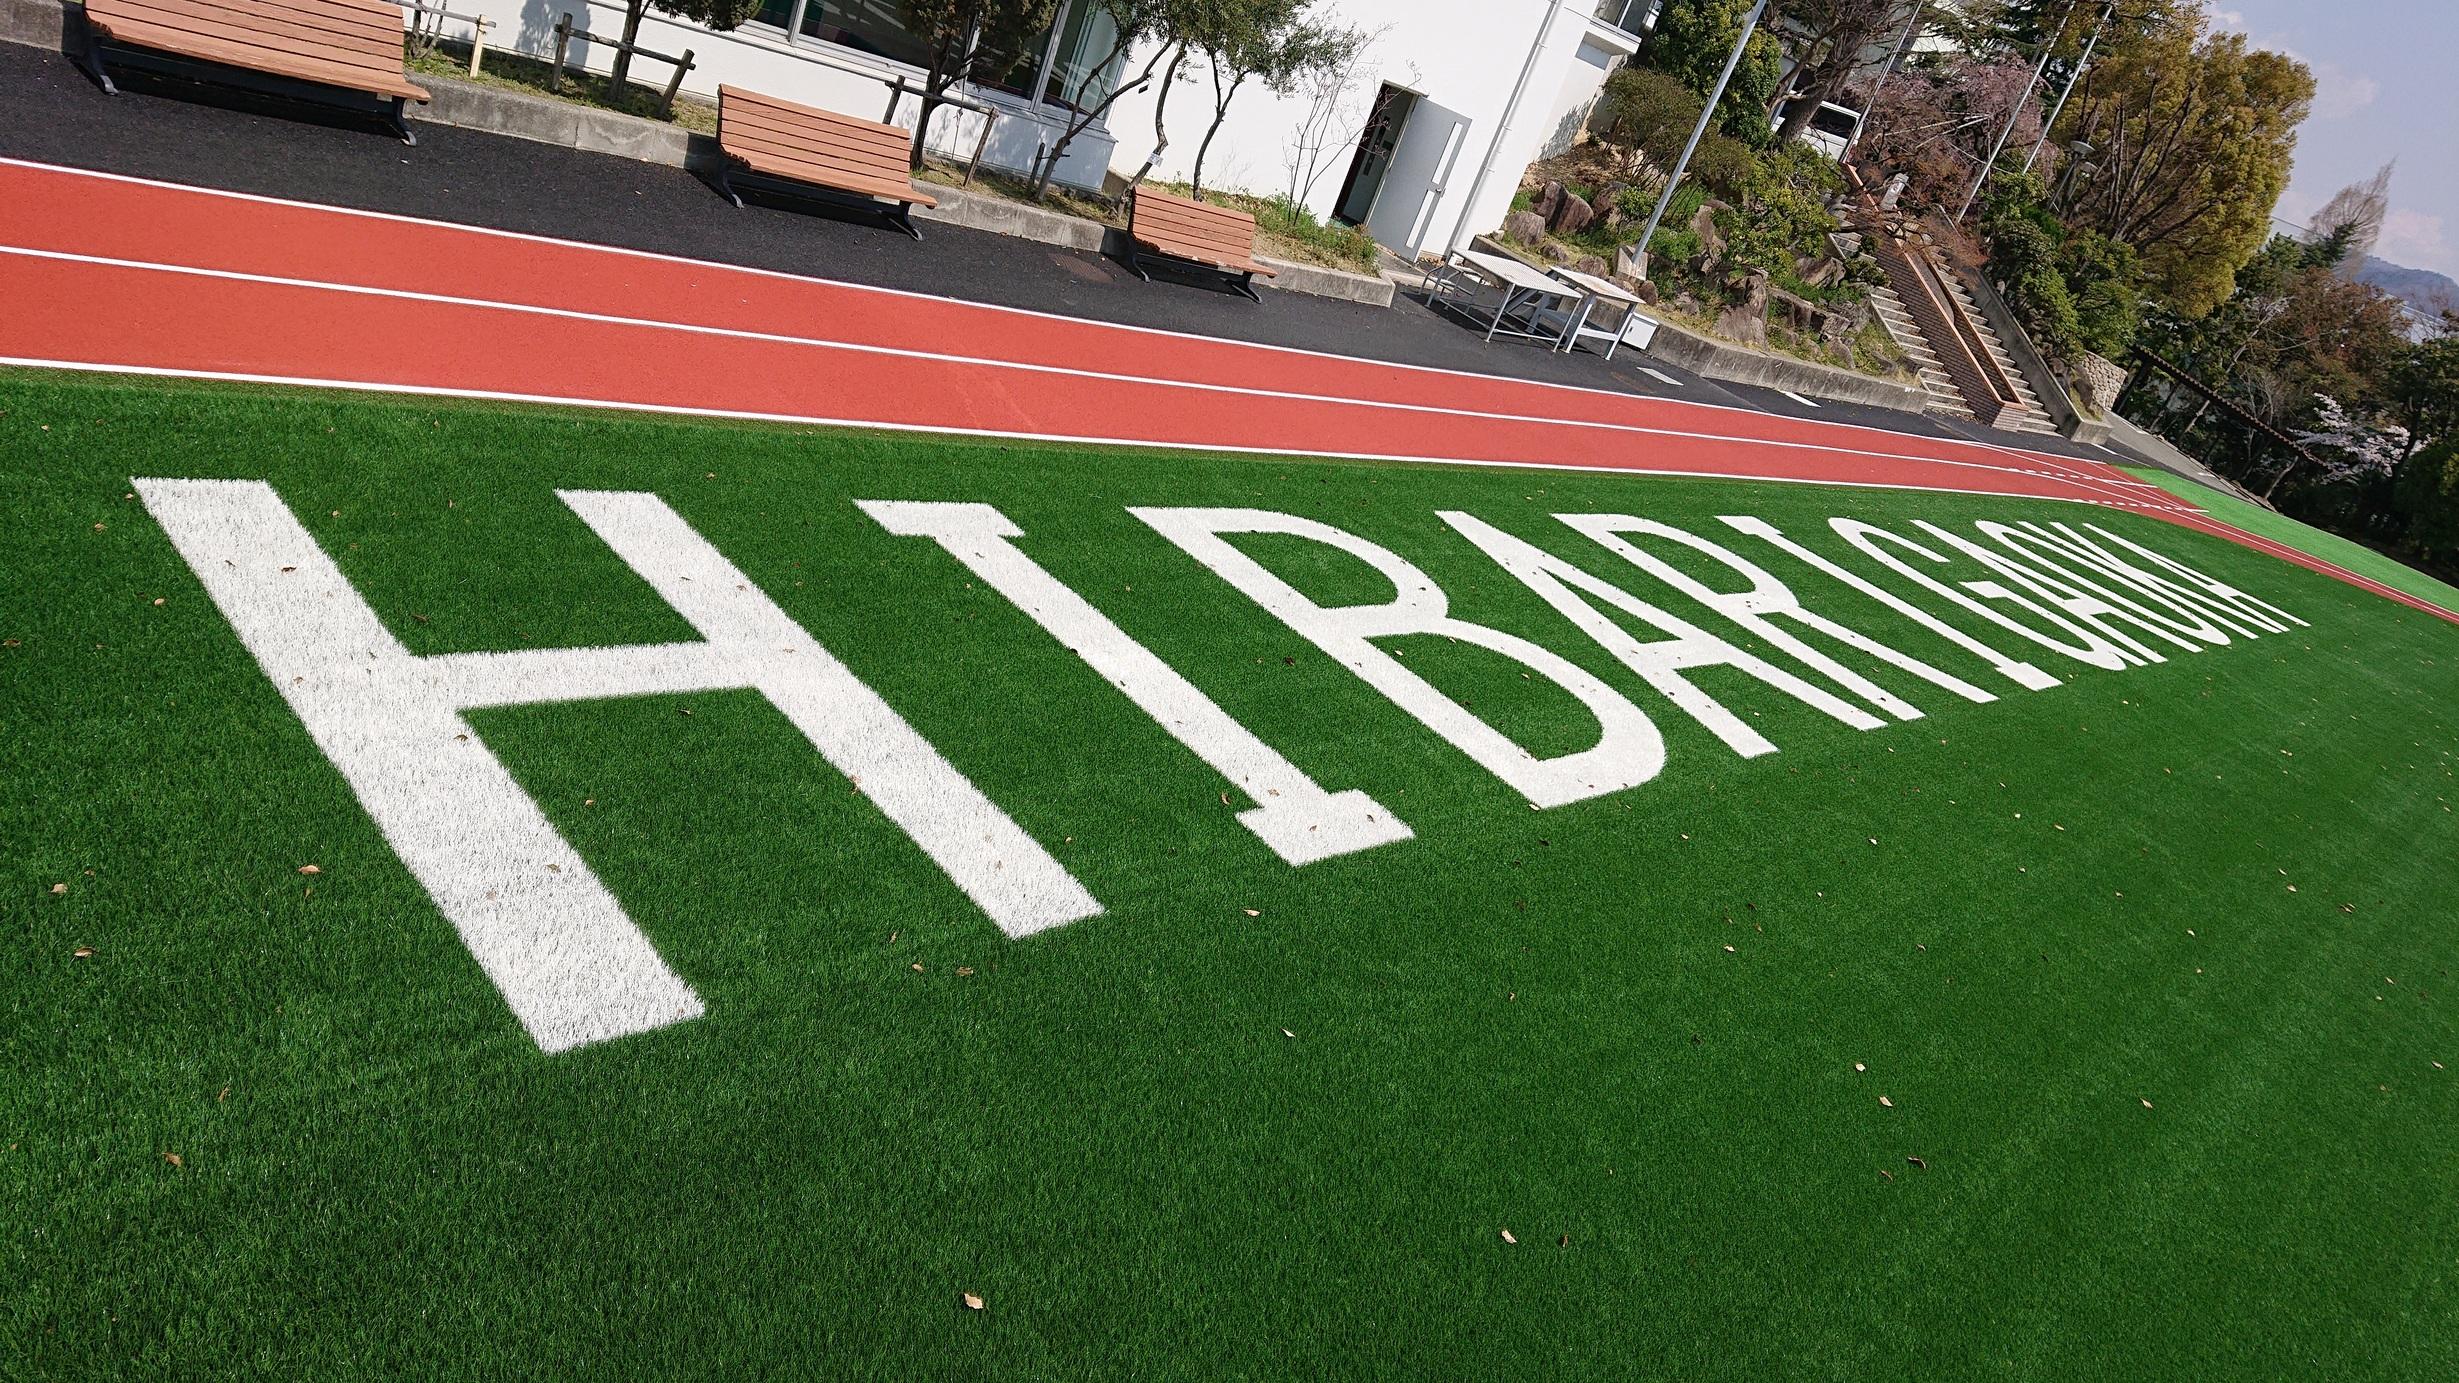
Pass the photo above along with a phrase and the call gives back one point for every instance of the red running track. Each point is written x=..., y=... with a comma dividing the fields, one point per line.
x=118, y=273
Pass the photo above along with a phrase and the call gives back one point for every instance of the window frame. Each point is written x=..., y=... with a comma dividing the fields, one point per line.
x=791, y=32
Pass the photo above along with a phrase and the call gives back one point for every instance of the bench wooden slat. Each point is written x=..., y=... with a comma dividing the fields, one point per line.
x=239, y=52
x=834, y=178
x=853, y=149
x=1203, y=232
x=305, y=47
x=354, y=26
x=819, y=147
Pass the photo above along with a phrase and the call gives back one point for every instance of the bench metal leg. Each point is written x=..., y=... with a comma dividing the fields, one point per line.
x=399, y=119
x=1135, y=261
x=725, y=186
x=903, y=216
x=89, y=55
x=1246, y=285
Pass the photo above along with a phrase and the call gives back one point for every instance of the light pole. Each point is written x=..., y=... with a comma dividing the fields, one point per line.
x=1674, y=178
x=2108, y=12
x=2048, y=46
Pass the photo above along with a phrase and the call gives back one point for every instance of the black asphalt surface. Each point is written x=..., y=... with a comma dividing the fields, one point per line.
x=185, y=133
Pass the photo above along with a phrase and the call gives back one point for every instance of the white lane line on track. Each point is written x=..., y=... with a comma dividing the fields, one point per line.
x=940, y=298
x=1003, y=434
x=822, y=343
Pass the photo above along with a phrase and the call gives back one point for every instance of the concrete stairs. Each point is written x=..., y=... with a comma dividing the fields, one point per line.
x=2025, y=414
x=1916, y=347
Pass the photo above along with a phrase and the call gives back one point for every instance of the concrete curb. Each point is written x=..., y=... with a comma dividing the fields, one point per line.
x=1736, y=365
x=471, y=106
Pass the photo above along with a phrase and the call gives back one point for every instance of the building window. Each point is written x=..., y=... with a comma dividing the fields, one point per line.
x=1630, y=16
x=1086, y=35
x=1054, y=60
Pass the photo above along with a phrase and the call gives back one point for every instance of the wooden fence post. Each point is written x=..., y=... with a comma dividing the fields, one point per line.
x=563, y=39
x=666, y=103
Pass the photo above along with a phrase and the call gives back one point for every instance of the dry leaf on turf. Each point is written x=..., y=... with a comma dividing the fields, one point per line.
x=174, y=1159
x=59, y=888
x=1918, y=1164
x=82, y=952
x=1250, y=912
x=972, y=1302
x=309, y=869
x=1887, y=1102
x=1507, y=1237
x=1860, y=1066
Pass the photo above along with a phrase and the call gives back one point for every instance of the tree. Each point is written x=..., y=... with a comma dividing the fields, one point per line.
x=1330, y=121
x=2424, y=385
x=1691, y=42
x=2352, y=220
x=721, y=15
x=2192, y=135
x=1935, y=125
x=1275, y=42
x=2428, y=495
x=963, y=35
x=1132, y=22
x=1830, y=36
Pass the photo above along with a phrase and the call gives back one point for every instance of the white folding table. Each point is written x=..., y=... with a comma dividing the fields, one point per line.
x=1595, y=291
x=1523, y=288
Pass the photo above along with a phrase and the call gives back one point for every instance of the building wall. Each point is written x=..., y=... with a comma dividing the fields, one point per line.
x=1462, y=55
x=828, y=75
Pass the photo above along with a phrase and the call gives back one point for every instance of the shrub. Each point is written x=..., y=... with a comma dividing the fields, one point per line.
x=1646, y=110
x=1783, y=214
x=1723, y=166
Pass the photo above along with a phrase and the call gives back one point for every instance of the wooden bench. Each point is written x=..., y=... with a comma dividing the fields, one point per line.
x=316, y=49
x=803, y=147
x=1207, y=236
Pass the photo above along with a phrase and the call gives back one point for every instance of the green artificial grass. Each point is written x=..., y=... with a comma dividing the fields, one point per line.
x=2149, y=968
x=2304, y=537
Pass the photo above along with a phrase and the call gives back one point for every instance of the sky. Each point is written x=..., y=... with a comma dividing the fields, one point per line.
x=2385, y=89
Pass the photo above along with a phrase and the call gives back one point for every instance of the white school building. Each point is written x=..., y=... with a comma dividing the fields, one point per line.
x=1451, y=103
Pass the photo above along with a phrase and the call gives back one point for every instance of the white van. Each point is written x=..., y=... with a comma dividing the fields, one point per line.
x=1829, y=131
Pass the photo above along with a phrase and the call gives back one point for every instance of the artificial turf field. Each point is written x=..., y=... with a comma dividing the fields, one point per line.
x=2096, y=1031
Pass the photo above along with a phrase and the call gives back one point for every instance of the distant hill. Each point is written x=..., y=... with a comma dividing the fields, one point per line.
x=2422, y=289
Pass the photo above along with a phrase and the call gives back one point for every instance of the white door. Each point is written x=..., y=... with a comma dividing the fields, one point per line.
x=1413, y=184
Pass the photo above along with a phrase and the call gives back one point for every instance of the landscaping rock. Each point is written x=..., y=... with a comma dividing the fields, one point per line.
x=1589, y=264
x=1819, y=273
x=1684, y=302
x=1526, y=227
x=1548, y=200
x=1555, y=252
x=2102, y=380
x=1746, y=321
x=1711, y=242
x=1571, y=215
x=1609, y=204
x=1796, y=313
x=1645, y=289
